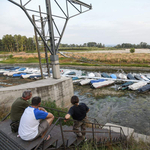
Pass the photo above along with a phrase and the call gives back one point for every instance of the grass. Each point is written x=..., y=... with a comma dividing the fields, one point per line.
x=88, y=59
x=60, y=113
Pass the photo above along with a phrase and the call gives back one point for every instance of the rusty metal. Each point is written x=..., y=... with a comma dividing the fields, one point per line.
x=98, y=135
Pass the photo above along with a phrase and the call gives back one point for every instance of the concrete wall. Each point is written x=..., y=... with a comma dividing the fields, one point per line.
x=59, y=90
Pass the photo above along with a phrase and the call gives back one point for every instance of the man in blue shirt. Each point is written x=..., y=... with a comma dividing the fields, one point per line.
x=78, y=113
x=34, y=121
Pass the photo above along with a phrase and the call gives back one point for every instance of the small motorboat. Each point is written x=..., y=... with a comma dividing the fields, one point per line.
x=130, y=76
x=138, y=77
x=84, y=82
x=105, y=75
x=125, y=85
x=144, y=77
x=102, y=84
x=136, y=86
x=122, y=76
x=113, y=76
x=144, y=88
x=147, y=76
x=95, y=81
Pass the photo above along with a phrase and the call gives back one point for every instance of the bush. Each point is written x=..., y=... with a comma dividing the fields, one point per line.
x=132, y=50
x=11, y=56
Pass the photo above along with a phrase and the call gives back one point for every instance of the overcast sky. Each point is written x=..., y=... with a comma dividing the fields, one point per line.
x=109, y=22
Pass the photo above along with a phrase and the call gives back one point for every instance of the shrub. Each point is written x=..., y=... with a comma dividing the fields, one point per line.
x=132, y=50
x=11, y=56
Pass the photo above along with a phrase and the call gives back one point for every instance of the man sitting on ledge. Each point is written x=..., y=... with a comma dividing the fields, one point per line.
x=34, y=121
x=17, y=109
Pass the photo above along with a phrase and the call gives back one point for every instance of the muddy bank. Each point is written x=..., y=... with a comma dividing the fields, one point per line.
x=91, y=68
x=107, y=68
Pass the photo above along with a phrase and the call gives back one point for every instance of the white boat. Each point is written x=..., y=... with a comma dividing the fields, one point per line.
x=122, y=76
x=137, y=85
x=84, y=82
x=144, y=77
x=102, y=84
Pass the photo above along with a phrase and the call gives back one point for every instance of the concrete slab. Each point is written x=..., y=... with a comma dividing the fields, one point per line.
x=50, y=89
x=140, y=137
x=127, y=131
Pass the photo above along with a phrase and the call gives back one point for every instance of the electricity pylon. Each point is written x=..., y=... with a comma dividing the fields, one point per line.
x=49, y=19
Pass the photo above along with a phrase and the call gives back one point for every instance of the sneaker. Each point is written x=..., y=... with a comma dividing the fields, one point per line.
x=85, y=139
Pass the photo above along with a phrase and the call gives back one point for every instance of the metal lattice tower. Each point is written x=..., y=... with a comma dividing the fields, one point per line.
x=54, y=33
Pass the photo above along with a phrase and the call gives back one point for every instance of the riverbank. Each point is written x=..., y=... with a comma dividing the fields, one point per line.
x=106, y=68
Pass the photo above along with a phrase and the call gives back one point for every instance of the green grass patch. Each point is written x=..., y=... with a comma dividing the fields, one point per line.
x=56, y=111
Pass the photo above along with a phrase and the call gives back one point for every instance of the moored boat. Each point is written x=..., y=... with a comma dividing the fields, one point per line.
x=144, y=88
x=102, y=84
x=144, y=77
x=137, y=85
x=130, y=76
x=125, y=85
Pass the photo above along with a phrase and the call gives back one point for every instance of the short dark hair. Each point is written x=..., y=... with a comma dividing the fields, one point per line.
x=26, y=93
x=74, y=99
x=35, y=100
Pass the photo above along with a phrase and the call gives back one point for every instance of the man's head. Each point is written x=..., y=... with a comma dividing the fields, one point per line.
x=74, y=100
x=26, y=94
x=36, y=101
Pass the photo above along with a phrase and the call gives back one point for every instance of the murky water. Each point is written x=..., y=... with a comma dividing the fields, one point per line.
x=107, y=105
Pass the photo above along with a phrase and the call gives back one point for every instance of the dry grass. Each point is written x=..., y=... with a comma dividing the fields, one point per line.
x=113, y=58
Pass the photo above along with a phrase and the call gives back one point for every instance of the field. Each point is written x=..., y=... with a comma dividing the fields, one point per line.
x=141, y=58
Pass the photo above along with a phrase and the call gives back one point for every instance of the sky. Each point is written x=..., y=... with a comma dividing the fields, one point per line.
x=110, y=22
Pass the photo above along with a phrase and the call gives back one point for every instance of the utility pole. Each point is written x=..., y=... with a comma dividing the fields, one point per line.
x=77, y=5
x=54, y=57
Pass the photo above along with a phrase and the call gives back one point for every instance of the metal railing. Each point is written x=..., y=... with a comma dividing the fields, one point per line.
x=93, y=124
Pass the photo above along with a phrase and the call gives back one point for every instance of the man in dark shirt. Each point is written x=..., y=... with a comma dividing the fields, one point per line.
x=78, y=113
x=18, y=107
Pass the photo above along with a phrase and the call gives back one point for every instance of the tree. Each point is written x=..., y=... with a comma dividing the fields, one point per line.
x=8, y=43
x=91, y=44
x=132, y=50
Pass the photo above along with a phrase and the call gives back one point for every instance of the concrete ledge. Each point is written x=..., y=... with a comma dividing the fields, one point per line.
x=59, y=90
x=127, y=131
x=141, y=137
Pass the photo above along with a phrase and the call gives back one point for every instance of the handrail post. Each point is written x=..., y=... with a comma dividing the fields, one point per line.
x=60, y=122
x=93, y=132
x=110, y=134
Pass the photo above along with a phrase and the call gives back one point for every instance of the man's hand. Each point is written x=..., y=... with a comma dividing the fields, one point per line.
x=41, y=108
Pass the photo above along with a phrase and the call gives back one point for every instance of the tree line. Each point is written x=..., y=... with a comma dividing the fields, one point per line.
x=128, y=45
x=17, y=43
x=89, y=44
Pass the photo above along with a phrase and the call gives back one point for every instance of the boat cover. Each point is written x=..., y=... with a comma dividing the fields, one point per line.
x=138, y=77
x=18, y=74
x=122, y=76
x=102, y=84
x=86, y=81
x=144, y=88
x=137, y=85
x=113, y=76
x=75, y=78
x=125, y=85
x=105, y=75
x=129, y=76
x=99, y=80
x=144, y=77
